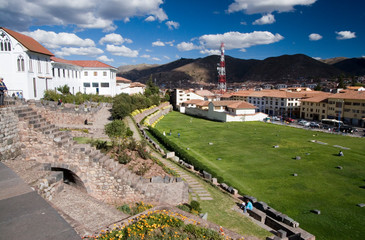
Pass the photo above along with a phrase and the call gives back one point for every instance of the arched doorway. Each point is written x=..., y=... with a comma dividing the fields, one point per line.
x=71, y=178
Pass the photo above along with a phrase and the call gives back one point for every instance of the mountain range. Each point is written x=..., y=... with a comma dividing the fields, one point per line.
x=203, y=71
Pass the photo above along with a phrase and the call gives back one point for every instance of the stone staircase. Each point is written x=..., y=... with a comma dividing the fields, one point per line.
x=125, y=183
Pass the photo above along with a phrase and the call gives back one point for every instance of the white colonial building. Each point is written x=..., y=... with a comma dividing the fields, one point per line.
x=25, y=64
x=29, y=68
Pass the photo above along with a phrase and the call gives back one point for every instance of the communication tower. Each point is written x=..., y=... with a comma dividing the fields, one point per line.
x=222, y=86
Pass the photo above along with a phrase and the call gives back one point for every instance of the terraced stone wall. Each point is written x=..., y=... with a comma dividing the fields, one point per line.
x=9, y=134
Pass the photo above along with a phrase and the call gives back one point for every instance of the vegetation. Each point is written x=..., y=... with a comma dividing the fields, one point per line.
x=251, y=164
x=135, y=208
x=78, y=98
x=161, y=224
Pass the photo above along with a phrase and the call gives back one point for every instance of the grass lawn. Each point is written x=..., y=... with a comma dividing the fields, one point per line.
x=251, y=164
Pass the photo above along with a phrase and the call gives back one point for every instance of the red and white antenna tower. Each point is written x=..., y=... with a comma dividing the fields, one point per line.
x=222, y=86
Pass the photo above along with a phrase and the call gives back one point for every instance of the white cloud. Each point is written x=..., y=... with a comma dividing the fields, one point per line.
x=237, y=40
x=172, y=25
x=150, y=19
x=171, y=43
x=148, y=50
x=184, y=46
x=315, y=37
x=156, y=59
x=145, y=56
x=56, y=40
x=82, y=51
x=121, y=51
x=115, y=39
x=210, y=52
x=167, y=57
x=158, y=44
x=81, y=13
x=266, y=19
x=342, y=35
x=105, y=59
x=266, y=6
x=243, y=23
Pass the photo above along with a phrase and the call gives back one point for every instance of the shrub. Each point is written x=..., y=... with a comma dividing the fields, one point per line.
x=184, y=207
x=195, y=205
x=123, y=158
x=125, y=208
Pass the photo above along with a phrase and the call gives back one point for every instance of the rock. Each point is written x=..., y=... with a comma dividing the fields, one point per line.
x=361, y=205
x=214, y=181
x=219, y=159
x=204, y=216
x=295, y=174
x=339, y=167
x=316, y=211
x=207, y=175
x=157, y=179
x=298, y=158
x=210, y=143
x=276, y=146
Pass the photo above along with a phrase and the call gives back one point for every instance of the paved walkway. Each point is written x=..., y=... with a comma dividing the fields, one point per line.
x=24, y=215
x=197, y=190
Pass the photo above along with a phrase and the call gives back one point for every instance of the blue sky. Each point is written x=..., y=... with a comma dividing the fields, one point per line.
x=123, y=32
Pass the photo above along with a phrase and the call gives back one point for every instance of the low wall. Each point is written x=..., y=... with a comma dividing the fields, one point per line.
x=9, y=134
x=138, y=118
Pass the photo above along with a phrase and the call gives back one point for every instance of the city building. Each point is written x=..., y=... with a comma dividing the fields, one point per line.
x=179, y=96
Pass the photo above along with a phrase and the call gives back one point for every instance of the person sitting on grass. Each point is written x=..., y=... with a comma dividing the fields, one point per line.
x=248, y=206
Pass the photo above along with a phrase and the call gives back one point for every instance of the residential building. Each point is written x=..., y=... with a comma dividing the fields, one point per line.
x=179, y=96
x=347, y=106
x=223, y=111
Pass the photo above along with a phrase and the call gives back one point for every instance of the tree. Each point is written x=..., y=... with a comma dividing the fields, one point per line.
x=65, y=89
x=151, y=88
x=115, y=130
x=318, y=87
x=341, y=83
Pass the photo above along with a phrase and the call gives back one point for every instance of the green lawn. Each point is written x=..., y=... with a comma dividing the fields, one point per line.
x=251, y=164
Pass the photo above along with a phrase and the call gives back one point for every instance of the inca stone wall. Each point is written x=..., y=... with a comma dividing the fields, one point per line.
x=103, y=178
x=9, y=134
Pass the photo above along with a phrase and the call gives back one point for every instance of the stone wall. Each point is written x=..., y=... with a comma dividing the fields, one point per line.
x=9, y=134
x=67, y=114
x=103, y=178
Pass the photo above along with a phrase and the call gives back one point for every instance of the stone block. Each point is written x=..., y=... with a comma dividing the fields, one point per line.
x=224, y=186
x=157, y=179
x=230, y=189
x=214, y=181
x=179, y=179
x=170, y=154
x=166, y=179
x=235, y=191
x=207, y=175
x=262, y=206
x=281, y=233
x=176, y=158
x=256, y=214
x=252, y=199
x=271, y=212
x=316, y=211
x=294, y=224
x=204, y=216
x=297, y=158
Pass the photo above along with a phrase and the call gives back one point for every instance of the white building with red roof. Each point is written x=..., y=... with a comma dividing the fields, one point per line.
x=29, y=68
x=25, y=64
x=223, y=111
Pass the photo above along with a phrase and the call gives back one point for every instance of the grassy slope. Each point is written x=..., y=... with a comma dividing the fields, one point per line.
x=254, y=167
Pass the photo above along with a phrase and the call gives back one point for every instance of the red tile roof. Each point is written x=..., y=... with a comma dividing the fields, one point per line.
x=234, y=104
x=82, y=63
x=354, y=95
x=91, y=64
x=28, y=42
x=123, y=80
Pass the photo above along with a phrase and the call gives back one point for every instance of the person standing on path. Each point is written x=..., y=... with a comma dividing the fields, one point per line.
x=3, y=90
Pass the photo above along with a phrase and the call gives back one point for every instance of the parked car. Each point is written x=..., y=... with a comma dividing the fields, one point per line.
x=314, y=125
x=304, y=123
x=348, y=129
x=276, y=118
x=289, y=120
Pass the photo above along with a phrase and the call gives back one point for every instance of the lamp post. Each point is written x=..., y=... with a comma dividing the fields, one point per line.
x=340, y=103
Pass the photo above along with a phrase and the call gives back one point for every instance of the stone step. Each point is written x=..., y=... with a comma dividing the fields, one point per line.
x=37, y=120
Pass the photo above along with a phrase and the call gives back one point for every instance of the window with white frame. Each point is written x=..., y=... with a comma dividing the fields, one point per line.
x=20, y=64
x=5, y=45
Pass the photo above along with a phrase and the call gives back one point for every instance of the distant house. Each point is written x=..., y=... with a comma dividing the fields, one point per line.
x=223, y=111
x=179, y=96
x=281, y=85
x=128, y=87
